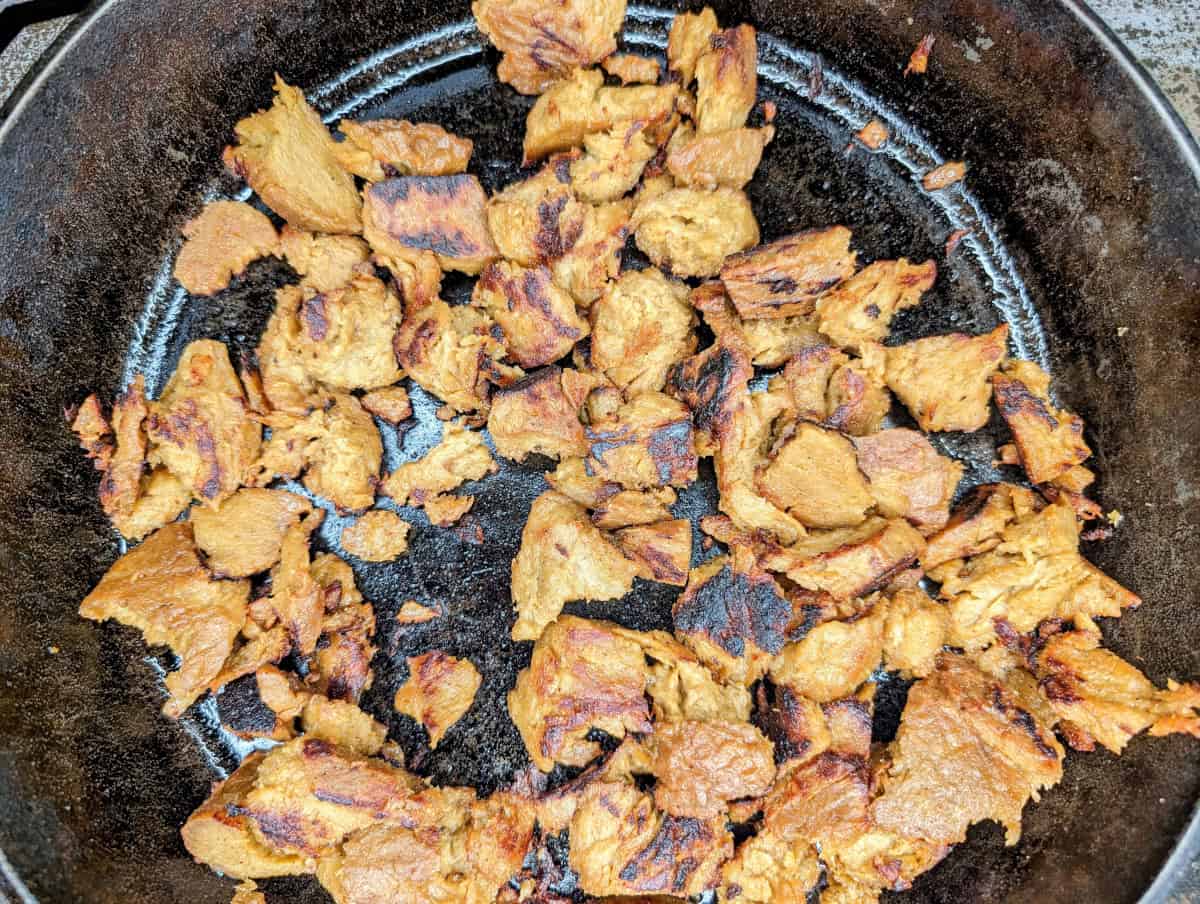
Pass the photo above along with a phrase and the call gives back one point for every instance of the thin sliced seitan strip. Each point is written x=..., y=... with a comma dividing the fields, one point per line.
x=377, y=149
x=1049, y=439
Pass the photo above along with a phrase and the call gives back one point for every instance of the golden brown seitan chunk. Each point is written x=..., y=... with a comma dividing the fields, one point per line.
x=343, y=724
x=622, y=845
x=631, y=68
x=439, y=691
x=769, y=343
x=377, y=536
x=908, y=478
x=873, y=135
x=162, y=589
x=338, y=450
x=970, y=748
x=461, y=455
x=1049, y=439
x=94, y=432
x=814, y=476
x=682, y=688
x=702, y=766
x=444, y=215
x=785, y=277
x=914, y=632
x=641, y=327
x=689, y=39
x=944, y=176
x=538, y=220
x=647, y=443
x=583, y=675
x=595, y=257
x=977, y=524
x=536, y=415
x=377, y=149
x=447, y=509
x=846, y=394
x=341, y=667
x=733, y=615
x=663, y=549
x=713, y=384
x=391, y=404
x=861, y=308
x=200, y=428
x=1103, y=699
x=289, y=158
x=219, y=243
x=581, y=105
x=242, y=536
x=542, y=42
x=851, y=562
x=612, y=161
x=1035, y=573
x=633, y=508
x=691, y=232
x=324, y=262
x=296, y=596
x=727, y=158
x=726, y=80
x=563, y=557
x=247, y=893
x=538, y=319
x=767, y=870
x=833, y=659
x=945, y=381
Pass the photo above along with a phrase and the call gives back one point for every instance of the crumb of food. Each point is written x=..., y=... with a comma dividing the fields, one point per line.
x=944, y=176
x=953, y=240
x=414, y=613
x=1122, y=330
x=1114, y=518
x=53, y=650
x=873, y=135
x=919, y=61
x=378, y=536
x=770, y=111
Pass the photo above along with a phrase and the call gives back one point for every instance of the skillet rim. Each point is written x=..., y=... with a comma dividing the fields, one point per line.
x=1173, y=877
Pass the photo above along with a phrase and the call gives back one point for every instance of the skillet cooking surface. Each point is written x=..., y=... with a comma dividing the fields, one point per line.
x=1080, y=225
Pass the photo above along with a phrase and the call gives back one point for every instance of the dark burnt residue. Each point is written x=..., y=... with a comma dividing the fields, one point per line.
x=1022, y=719
x=664, y=865
x=674, y=452
x=316, y=321
x=709, y=384
x=731, y=608
x=391, y=191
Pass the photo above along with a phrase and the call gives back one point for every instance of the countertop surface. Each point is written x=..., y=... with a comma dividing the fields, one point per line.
x=1163, y=34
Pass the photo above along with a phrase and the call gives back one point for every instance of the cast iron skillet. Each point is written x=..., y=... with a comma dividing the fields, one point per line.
x=1082, y=201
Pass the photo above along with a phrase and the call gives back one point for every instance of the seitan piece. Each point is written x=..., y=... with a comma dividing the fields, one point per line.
x=970, y=748
x=613, y=161
x=200, y=428
x=649, y=442
x=219, y=243
x=727, y=158
x=377, y=536
x=444, y=215
x=447, y=509
x=580, y=105
x=536, y=415
x=595, y=257
x=786, y=277
x=296, y=595
x=378, y=149
x=439, y=691
x=944, y=176
x=94, y=432
x=814, y=476
x=634, y=508
x=414, y=613
x=914, y=632
x=563, y=557
x=662, y=550
x=767, y=870
x=681, y=688
x=583, y=675
x=341, y=667
x=541, y=43
x=770, y=343
x=848, y=395
x=908, y=478
x=324, y=262
x=391, y=404
x=622, y=845
x=461, y=455
x=1035, y=573
x=1049, y=439
x=641, y=327
x=726, y=80
x=289, y=158
x=690, y=38
x=631, y=68
x=861, y=308
x=976, y=526
x=1103, y=699
x=833, y=659
x=537, y=318
x=242, y=537
x=873, y=135
x=691, y=232
x=338, y=450
x=702, y=766
x=945, y=381
x=342, y=723
x=162, y=589
x=538, y=220
x=713, y=384
x=247, y=893
x=733, y=615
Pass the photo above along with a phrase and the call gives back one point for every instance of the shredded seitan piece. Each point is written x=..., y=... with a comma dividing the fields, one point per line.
x=843, y=393
x=977, y=524
x=343, y=724
x=289, y=158
x=727, y=158
x=726, y=80
x=861, y=308
x=814, y=476
x=690, y=232
x=914, y=632
x=391, y=403
x=702, y=766
x=786, y=277
x=713, y=384
x=833, y=659
x=1049, y=439
x=341, y=667
x=414, y=613
x=446, y=509
x=380, y=148
x=945, y=381
x=162, y=589
x=662, y=549
x=648, y=442
x=324, y=262
x=461, y=455
x=944, y=176
x=243, y=536
x=377, y=536
x=873, y=135
x=537, y=415
x=631, y=68
x=689, y=39
x=538, y=319
x=908, y=478
x=595, y=256
x=439, y=691
x=219, y=243
x=563, y=557
x=538, y=220
x=613, y=161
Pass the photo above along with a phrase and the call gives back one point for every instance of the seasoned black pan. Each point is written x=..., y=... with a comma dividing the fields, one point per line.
x=1083, y=202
